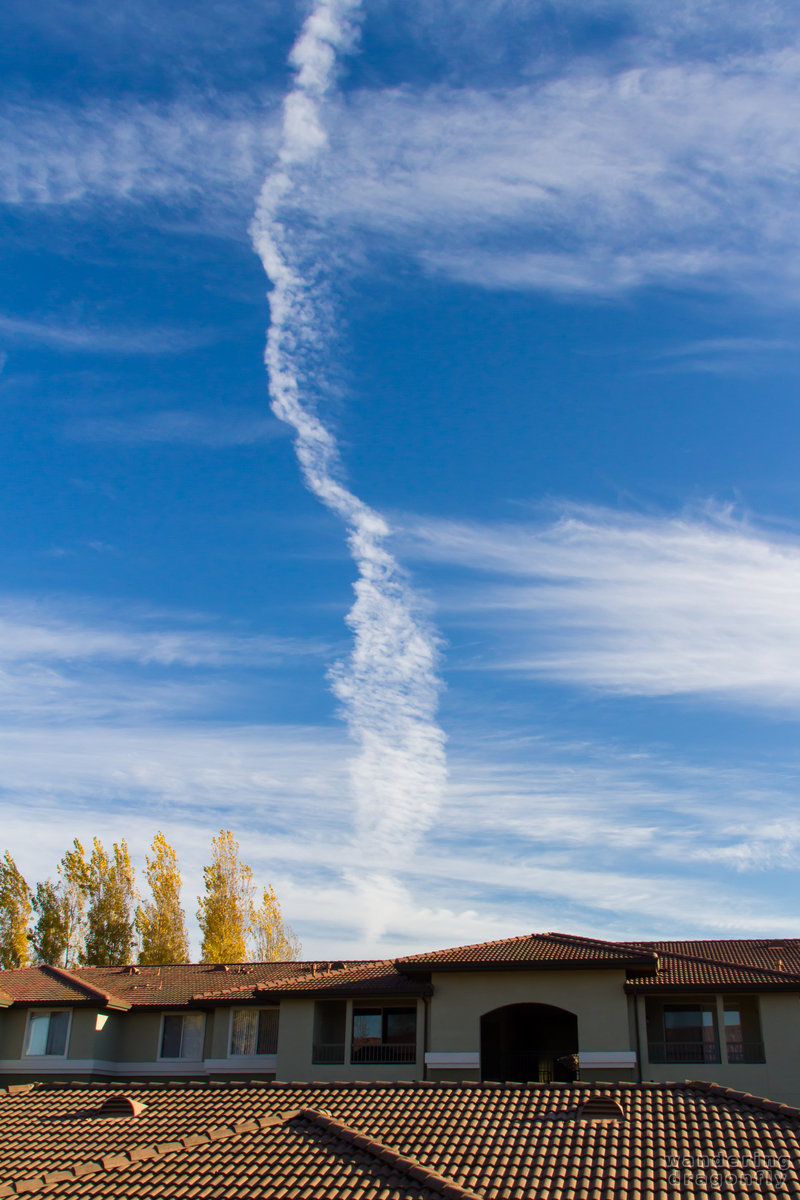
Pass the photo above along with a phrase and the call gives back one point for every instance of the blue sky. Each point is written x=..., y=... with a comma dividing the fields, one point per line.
x=531, y=277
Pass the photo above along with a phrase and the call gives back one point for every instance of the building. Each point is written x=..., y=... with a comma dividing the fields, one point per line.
x=540, y=1008
x=394, y=1141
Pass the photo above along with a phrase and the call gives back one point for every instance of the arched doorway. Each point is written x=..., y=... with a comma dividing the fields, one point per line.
x=533, y=1043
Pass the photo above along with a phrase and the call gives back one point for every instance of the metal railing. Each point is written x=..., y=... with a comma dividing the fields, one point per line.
x=684, y=1052
x=384, y=1053
x=745, y=1052
x=328, y=1052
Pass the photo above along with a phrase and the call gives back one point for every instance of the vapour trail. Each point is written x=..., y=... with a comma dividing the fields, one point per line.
x=389, y=687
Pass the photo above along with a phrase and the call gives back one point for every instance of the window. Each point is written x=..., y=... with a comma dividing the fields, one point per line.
x=182, y=1035
x=743, y=1030
x=384, y=1035
x=48, y=1032
x=682, y=1032
x=330, y=1020
x=254, y=1031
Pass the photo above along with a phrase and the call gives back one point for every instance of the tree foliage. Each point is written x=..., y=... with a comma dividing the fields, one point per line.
x=50, y=936
x=15, y=913
x=73, y=889
x=272, y=940
x=226, y=910
x=161, y=922
x=109, y=917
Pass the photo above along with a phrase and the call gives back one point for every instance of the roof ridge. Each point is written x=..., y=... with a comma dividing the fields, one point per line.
x=391, y=1158
x=591, y=941
x=64, y=976
x=522, y=937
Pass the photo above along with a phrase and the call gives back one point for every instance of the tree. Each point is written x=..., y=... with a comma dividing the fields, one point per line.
x=73, y=888
x=226, y=911
x=161, y=922
x=273, y=941
x=15, y=912
x=50, y=936
x=109, y=919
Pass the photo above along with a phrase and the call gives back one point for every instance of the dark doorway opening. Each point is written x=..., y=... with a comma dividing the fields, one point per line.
x=529, y=1043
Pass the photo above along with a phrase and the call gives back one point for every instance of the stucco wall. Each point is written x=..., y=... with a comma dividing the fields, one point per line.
x=778, y=1078
x=597, y=997
x=296, y=1039
x=13, y=1022
x=82, y=1033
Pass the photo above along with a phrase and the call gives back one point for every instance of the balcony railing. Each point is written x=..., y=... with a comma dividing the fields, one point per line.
x=684, y=1052
x=384, y=1053
x=328, y=1052
x=745, y=1052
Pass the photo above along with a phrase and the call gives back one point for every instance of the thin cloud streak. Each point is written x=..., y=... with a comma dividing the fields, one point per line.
x=639, y=605
x=96, y=339
x=389, y=688
x=177, y=427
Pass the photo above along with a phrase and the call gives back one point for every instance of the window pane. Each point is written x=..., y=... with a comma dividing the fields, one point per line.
x=401, y=1026
x=367, y=1027
x=38, y=1025
x=194, y=1025
x=267, y=1032
x=172, y=1037
x=243, y=1036
x=329, y=1021
x=57, y=1033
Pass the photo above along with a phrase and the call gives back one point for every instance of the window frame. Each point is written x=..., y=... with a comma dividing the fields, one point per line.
x=39, y=1012
x=252, y=1008
x=173, y=1058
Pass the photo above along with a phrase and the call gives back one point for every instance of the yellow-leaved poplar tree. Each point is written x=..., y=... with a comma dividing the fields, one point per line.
x=15, y=912
x=161, y=922
x=226, y=911
x=272, y=940
x=109, y=917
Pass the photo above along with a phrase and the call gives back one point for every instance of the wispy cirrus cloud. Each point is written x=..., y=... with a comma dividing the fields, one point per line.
x=594, y=177
x=593, y=181
x=640, y=605
x=185, y=152
x=91, y=336
x=171, y=426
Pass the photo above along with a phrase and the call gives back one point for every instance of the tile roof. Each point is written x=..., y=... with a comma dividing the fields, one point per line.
x=170, y=986
x=722, y=964
x=329, y=979
x=542, y=950
x=396, y=1142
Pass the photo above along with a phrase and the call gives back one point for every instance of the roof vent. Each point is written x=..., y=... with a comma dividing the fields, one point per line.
x=601, y=1108
x=120, y=1105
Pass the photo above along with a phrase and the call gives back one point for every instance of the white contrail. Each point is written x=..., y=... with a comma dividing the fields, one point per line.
x=389, y=687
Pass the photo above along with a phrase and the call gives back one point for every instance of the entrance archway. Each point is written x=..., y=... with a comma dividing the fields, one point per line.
x=529, y=1043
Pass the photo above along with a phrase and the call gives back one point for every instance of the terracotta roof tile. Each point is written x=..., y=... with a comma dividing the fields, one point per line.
x=732, y=964
x=547, y=950
x=382, y=1141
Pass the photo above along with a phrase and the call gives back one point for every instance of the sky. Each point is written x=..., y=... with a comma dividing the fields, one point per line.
x=400, y=454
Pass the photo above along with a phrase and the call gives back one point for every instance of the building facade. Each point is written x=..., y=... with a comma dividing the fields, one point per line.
x=540, y=1008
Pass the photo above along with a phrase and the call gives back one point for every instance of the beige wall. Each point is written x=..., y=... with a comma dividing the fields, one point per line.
x=13, y=1023
x=777, y=1079
x=461, y=997
x=82, y=1033
x=296, y=1038
x=138, y=1037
